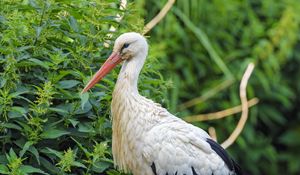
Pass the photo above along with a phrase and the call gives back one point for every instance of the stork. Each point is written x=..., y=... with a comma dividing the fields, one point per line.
x=146, y=138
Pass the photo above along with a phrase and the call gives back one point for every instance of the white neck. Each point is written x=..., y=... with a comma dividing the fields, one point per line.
x=129, y=74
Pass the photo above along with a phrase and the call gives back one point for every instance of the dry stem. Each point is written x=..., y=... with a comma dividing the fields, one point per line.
x=212, y=133
x=244, y=116
x=220, y=114
x=159, y=16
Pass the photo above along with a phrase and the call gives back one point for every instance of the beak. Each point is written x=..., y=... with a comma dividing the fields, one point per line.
x=113, y=60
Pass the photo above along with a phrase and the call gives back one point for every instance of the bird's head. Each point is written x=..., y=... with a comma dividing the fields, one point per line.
x=127, y=47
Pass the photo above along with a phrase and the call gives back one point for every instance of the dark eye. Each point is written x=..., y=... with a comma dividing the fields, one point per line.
x=125, y=45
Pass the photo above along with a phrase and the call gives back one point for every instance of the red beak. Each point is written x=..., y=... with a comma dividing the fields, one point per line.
x=113, y=60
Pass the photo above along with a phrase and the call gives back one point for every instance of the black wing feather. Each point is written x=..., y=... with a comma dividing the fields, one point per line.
x=153, y=167
x=231, y=164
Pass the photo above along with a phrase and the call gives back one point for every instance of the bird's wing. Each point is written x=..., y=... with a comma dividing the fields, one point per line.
x=176, y=147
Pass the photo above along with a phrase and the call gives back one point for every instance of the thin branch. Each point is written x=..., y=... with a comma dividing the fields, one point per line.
x=212, y=133
x=220, y=114
x=244, y=116
x=159, y=16
x=207, y=94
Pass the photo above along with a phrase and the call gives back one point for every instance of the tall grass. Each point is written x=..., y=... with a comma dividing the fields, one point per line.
x=208, y=45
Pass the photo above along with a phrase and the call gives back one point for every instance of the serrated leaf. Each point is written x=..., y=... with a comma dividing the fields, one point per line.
x=78, y=164
x=84, y=127
x=25, y=148
x=99, y=167
x=49, y=166
x=36, y=154
x=73, y=122
x=11, y=126
x=17, y=112
x=56, y=153
x=27, y=169
x=39, y=62
x=59, y=110
x=4, y=169
x=53, y=133
x=87, y=153
x=84, y=99
x=67, y=84
x=12, y=154
x=86, y=108
x=19, y=92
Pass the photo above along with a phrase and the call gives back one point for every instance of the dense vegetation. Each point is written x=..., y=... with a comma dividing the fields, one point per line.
x=49, y=49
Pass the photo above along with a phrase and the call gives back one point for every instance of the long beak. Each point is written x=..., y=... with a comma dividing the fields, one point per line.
x=113, y=60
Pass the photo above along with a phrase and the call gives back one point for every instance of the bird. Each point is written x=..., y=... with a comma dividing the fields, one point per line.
x=146, y=138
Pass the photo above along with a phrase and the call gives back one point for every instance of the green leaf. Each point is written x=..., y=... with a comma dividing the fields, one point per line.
x=25, y=148
x=74, y=122
x=49, y=166
x=38, y=31
x=53, y=133
x=52, y=151
x=39, y=62
x=67, y=84
x=78, y=164
x=84, y=99
x=36, y=154
x=74, y=24
x=23, y=48
x=12, y=154
x=59, y=110
x=19, y=92
x=27, y=169
x=87, y=153
x=11, y=126
x=85, y=127
x=99, y=167
x=4, y=169
x=17, y=112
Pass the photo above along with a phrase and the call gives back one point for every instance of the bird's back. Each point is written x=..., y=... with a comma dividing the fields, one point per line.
x=174, y=146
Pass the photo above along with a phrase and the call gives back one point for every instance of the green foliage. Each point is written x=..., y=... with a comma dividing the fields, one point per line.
x=208, y=45
x=49, y=50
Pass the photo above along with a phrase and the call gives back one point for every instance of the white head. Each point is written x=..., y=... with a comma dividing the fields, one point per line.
x=130, y=45
x=132, y=48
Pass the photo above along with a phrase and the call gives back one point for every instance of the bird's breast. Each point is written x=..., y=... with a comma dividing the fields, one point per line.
x=131, y=121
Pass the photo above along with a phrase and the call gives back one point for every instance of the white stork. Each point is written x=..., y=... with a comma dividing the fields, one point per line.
x=147, y=139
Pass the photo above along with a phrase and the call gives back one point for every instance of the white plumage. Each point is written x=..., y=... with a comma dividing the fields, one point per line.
x=147, y=139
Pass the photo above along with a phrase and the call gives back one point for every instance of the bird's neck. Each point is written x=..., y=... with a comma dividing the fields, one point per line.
x=128, y=77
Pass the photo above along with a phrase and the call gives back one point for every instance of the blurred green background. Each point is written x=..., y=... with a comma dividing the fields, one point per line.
x=199, y=51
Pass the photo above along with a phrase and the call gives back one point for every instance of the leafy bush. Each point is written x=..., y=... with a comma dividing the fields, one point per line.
x=49, y=49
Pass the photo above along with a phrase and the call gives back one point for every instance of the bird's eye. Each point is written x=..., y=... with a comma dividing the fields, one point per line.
x=125, y=45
